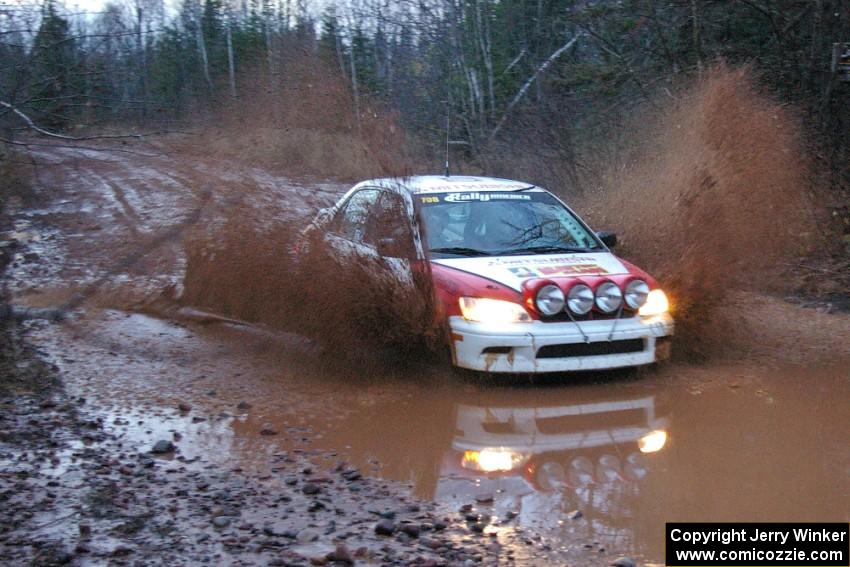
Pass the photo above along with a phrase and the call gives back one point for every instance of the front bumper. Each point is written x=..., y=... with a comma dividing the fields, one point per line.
x=582, y=345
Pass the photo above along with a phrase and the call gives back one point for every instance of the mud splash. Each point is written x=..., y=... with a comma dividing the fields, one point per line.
x=715, y=194
x=247, y=270
x=308, y=124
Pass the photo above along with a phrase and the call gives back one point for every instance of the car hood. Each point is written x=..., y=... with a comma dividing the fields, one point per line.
x=512, y=271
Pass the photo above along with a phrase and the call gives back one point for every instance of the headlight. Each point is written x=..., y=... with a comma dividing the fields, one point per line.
x=636, y=293
x=653, y=441
x=656, y=304
x=485, y=310
x=549, y=300
x=492, y=460
x=609, y=298
x=580, y=299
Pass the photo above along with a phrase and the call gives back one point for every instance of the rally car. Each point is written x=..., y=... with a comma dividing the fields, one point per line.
x=520, y=283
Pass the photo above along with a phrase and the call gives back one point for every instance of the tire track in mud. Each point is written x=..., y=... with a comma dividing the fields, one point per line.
x=128, y=215
x=127, y=250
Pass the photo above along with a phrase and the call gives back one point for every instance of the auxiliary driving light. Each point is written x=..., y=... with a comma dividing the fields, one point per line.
x=549, y=300
x=636, y=293
x=609, y=298
x=580, y=299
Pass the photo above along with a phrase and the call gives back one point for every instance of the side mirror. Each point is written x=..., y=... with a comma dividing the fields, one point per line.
x=608, y=238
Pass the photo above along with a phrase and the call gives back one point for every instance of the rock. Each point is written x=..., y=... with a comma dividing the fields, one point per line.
x=430, y=542
x=341, y=555
x=307, y=535
x=510, y=515
x=163, y=446
x=82, y=548
x=484, y=498
x=352, y=475
x=311, y=488
x=221, y=521
x=623, y=562
x=410, y=529
x=268, y=430
x=440, y=525
x=465, y=508
x=243, y=406
x=575, y=515
x=385, y=527
x=85, y=531
x=184, y=407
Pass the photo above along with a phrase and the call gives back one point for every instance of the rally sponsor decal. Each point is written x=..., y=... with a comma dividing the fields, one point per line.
x=513, y=270
x=475, y=196
x=554, y=271
x=473, y=186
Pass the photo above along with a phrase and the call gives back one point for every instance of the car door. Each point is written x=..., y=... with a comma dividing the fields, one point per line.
x=350, y=238
x=394, y=237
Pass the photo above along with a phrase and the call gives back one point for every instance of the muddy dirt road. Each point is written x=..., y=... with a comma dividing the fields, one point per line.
x=589, y=466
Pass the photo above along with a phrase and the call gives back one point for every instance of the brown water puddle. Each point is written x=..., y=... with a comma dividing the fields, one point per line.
x=628, y=450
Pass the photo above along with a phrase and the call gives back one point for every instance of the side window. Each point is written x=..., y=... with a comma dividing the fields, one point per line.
x=393, y=223
x=353, y=220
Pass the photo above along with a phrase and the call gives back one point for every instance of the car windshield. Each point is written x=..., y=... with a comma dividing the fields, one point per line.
x=496, y=223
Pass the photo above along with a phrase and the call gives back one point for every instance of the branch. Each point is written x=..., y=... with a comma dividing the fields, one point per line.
x=74, y=146
x=521, y=93
x=49, y=134
x=33, y=125
x=515, y=61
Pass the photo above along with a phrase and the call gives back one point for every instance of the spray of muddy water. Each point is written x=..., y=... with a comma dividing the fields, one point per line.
x=714, y=194
x=247, y=270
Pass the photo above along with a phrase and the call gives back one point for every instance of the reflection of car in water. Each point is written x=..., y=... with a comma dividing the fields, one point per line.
x=544, y=462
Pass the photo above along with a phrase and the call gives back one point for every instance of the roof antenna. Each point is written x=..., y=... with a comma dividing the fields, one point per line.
x=448, y=133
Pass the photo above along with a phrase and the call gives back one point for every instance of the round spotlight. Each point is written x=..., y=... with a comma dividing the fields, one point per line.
x=549, y=300
x=580, y=299
x=609, y=298
x=636, y=293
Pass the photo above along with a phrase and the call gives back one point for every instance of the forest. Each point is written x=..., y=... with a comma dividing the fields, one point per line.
x=539, y=87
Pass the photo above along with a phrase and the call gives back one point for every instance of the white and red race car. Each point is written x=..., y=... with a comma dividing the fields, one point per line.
x=520, y=283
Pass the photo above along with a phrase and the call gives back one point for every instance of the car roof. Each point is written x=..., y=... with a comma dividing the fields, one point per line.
x=441, y=184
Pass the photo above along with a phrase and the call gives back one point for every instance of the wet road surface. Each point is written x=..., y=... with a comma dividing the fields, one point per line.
x=602, y=458
x=599, y=460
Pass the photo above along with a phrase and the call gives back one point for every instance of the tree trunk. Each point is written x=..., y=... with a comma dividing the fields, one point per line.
x=231, y=64
x=202, y=46
x=354, y=88
x=483, y=28
x=521, y=93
